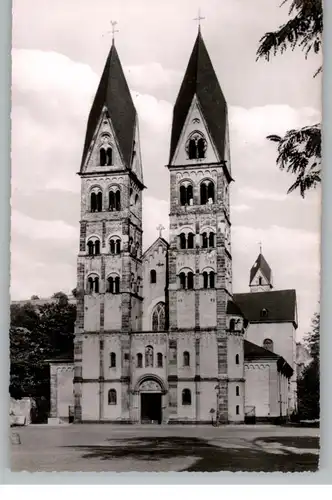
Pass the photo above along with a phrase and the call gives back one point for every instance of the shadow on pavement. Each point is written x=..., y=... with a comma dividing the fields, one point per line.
x=209, y=458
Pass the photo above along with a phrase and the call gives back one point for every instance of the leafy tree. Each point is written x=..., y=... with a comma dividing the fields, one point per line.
x=38, y=334
x=299, y=151
x=308, y=385
x=34, y=297
x=61, y=297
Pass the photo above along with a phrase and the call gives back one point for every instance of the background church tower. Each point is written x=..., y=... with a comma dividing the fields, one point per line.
x=260, y=275
x=109, y=272
x=200, y=260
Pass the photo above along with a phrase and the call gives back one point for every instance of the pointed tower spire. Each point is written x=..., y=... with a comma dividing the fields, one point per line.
x=200, y=81
x=113, y=95
x=260, y=275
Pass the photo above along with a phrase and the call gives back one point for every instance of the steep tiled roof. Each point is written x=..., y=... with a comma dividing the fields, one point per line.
x=200, y=79
x=253, y=351
x=113, y=92
x=233, y=309
x=279, y=304
x=263, y=266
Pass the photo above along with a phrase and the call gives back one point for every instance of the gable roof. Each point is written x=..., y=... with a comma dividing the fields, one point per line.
x=280, y=306
x=200, y=79
x=156, y=243
x=113, y=92
x=261, y=264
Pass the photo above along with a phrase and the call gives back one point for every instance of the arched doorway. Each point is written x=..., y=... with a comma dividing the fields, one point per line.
x=150, y=393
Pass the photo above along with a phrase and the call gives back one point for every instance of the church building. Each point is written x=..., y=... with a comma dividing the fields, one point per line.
x=160, y=337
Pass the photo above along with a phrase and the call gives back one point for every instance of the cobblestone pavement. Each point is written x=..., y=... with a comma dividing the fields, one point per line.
x=103, y=447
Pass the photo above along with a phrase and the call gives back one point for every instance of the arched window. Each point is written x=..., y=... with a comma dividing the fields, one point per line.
x=183, y=195
x=232, y=325
x=159, y=360
x=99, y=202
x=260, y=280
x=212, y=279
x=148, y=356
x=158, y=317
x=90, y=246
x=203, y=191
x=97, y=247
x=117, y=285
x=112, y=360
x=93, y=246
x=113, y=284
x=237, y=409
x=205, y=280
x=201, y=147
x=136, y=199
x=182, y=278
x=93, y=284
x=117, y=201
x=186, y=358
x=210, y=189
x=110, y=284
x=196, y=146
x=237, y=390
x=115, y=245
x=153, y=276
x=190, y=280
x=268, y=344
x=112, y=397
x=102, y=157
x=186, y=397
x=237, y=359
x=264, y=313
x=204, y=240
x=211, y=240
x=186, y=194
x=114, y=200
x=90, y=285
x=139, y=360
x=191, y=238
x=207, y=192
x=183, y=241
x=109, y=156
x=192, y=149
x=96, y=201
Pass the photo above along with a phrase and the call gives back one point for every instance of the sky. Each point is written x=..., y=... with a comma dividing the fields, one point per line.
x=58, y=53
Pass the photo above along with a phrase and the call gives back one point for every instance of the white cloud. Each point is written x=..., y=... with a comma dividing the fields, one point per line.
x=241, y=208
x=42, y=229
x=255, y=124
x=151, y=75
x=257, y=194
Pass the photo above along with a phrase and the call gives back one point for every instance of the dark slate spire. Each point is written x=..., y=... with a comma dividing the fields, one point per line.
x=261, y=264
x=200, y=79
x=113, y=92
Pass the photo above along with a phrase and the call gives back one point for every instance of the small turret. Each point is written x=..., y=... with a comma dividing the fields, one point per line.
x=260, y=276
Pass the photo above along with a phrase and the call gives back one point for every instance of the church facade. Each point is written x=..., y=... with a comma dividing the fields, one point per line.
x=160, y=337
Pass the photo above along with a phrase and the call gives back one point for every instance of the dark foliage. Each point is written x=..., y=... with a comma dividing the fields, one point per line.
x=308, y=386
x=38, y=334
x=299, y=151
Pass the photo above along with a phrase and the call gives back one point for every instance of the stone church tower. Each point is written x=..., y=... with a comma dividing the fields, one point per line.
x=158, y=336
x=109, y=262
x=200, y=259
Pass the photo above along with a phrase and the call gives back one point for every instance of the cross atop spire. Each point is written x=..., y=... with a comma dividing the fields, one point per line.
x=199, y=18
x=160, y=228
x=113, y=30
x=260, y=246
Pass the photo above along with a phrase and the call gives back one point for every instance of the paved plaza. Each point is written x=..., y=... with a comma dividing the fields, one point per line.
x=103, y=447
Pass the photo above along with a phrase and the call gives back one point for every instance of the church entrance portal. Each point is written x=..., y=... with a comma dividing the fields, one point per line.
x=150, y=394
x=150, y=408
